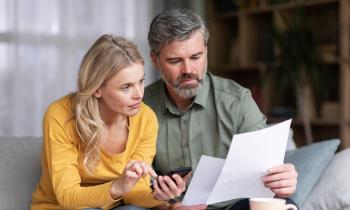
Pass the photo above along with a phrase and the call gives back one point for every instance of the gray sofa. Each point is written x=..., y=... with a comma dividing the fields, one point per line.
x=20, y=172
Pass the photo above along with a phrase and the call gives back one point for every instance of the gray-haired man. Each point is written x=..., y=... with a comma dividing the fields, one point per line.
x=198, y=113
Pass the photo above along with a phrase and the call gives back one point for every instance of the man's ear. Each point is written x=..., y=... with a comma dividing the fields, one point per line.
x=154, y=59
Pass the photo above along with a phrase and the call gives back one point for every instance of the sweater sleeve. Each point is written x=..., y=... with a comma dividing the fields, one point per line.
x=62, y=161
x=141, y=194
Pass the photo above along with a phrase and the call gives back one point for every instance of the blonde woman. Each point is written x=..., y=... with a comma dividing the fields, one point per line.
x=99, y=142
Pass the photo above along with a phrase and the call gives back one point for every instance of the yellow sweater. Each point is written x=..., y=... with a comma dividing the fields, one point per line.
x=65, y=184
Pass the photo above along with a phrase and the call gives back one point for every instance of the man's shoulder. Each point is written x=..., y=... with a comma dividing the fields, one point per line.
x=227, y=87
x=152, y=94
x=153, y=89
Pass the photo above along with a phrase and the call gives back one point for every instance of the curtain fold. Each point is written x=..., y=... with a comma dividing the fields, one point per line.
x=42, y=43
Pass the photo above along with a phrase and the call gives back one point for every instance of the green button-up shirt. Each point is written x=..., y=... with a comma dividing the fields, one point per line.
x=221, y=109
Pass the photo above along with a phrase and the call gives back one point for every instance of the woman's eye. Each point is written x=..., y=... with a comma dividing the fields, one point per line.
x=125, y=88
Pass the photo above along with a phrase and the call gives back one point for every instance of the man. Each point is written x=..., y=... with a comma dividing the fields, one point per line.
x=198, y=113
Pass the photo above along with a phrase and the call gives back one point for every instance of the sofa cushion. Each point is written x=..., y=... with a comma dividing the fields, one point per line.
x=310, y=161
x=20, y=171
x=332, y=190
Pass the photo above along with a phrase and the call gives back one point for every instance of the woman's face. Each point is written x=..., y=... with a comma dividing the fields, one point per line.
x=123, y=93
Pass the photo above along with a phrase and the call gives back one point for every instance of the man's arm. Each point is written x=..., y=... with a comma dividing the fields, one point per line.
x=250, y=117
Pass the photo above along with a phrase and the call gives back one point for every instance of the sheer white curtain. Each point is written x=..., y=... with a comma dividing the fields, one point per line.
x=42, y=43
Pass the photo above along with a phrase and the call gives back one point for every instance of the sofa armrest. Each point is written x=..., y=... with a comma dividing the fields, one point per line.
x=20, y=171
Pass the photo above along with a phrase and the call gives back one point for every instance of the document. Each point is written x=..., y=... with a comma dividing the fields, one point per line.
x=239, y=175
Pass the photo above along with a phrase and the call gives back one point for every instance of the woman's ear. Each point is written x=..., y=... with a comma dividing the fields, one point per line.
x=97, y=93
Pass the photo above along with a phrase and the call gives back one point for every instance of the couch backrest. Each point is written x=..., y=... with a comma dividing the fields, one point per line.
x=19, y=171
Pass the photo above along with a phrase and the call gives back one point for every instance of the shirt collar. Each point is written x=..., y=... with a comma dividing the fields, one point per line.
x=200, y=99
x=165, y=101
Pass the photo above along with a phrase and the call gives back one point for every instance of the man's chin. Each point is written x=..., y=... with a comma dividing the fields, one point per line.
x=187, y=92
x=188, y=87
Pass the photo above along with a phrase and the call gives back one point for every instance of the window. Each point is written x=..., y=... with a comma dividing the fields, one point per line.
x=42, y=43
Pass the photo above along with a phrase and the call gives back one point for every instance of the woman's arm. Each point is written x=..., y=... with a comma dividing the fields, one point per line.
x=145, y=150
x=61, y=156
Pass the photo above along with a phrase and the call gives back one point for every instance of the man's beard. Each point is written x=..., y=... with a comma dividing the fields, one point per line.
x=185, y=91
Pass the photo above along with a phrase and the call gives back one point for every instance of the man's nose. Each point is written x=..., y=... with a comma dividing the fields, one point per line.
x=186, y=67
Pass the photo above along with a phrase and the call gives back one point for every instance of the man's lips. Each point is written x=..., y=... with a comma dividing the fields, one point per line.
x=190, y=81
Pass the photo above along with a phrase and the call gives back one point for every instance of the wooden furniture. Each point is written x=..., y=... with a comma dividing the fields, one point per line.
x=241, y=41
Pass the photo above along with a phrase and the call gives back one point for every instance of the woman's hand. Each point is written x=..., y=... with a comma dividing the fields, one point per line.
x=166, y=188
x=133, y=172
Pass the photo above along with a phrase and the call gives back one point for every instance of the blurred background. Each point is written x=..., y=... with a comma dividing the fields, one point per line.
x=292, y=54
x=43, y=41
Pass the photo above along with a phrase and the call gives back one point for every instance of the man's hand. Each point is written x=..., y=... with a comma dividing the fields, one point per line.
x=166, y=188
x=282, y=180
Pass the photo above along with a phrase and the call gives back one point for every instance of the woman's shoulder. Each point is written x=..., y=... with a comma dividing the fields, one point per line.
x=145, y=116
x=61, y=108
x=146, y=110
x=145, y=120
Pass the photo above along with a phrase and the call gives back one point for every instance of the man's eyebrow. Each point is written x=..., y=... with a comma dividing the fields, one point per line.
x=198, y=53
x=174, y=58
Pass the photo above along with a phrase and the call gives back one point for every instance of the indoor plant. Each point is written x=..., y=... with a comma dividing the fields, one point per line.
x=297, y=65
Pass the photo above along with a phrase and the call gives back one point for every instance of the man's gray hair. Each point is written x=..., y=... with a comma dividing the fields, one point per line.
x=176, y=24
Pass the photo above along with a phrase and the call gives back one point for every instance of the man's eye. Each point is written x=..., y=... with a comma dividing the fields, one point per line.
x=195, y=57
x=174, y=61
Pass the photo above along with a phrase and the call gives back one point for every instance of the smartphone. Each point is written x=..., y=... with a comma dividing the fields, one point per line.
x=183, y=171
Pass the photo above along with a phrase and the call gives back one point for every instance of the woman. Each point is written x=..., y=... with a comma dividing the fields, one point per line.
x=99, y=142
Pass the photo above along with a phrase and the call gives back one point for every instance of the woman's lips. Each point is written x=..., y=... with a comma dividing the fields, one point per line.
x=134, y=106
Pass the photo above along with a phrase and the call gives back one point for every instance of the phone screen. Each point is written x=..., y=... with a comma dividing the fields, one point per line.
x=180, y=171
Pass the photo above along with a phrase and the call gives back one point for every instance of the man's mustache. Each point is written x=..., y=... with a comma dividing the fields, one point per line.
x=184, y=77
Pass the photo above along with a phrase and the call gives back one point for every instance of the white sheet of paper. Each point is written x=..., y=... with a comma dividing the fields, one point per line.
x=249, y=157
x=204, y=184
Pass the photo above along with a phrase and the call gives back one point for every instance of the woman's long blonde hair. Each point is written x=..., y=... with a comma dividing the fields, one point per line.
x=107, y=56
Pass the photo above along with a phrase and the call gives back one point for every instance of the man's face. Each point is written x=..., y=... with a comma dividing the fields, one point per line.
x=182, y=65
